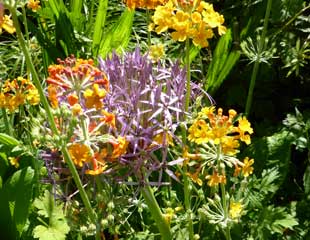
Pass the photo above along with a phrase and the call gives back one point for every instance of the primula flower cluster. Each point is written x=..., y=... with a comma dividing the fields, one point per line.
x=218, y=138
x=149, y=4
x=188, y=20
x=6, y=22
x=78, y=87
x=17, y=92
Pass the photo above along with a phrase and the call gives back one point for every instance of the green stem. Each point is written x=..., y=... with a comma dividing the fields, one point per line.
x=188, y=75
x=187, y=192
x=160, y=221
x=7, y=124
x=223, y=192
x=257, y=62
x=148, y=20
x=187, y=202
x=50, y=117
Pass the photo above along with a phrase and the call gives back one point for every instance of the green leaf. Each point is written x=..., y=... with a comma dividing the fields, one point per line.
x=193, y=52
x=8, y=140
x=99, y=25
x=58, y=227
x=306, y=179
x=18, y=192
x=118, y=35
x=57, y=231
x=223, y=61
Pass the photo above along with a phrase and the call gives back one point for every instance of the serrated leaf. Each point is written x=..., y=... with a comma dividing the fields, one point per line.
x=47, y=208
x=58, y=227
x=289, y=222
x=57, y=231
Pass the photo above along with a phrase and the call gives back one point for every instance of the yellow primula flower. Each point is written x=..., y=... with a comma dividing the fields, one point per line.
x=14, y=161
x=235, y=210
x=93, y=97
x=76, y=109
x=119, y=146
x=6, y=23
x=34, y=5
x=157, y=52
x=195, y=177
x=80, y=154
x=215, y=179
x=33, y=96
x=247, y=169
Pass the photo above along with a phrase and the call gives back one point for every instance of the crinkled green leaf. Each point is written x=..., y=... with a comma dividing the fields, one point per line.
x=58, y=227
x=47, y=207
x=57, y=231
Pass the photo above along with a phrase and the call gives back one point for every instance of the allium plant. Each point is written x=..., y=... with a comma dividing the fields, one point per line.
x=148, y=101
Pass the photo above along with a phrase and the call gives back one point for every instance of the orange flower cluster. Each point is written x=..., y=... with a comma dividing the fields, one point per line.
x=82, y=154
x=18, y=92
x=188, y=19
x=81, y=87
x=149, y=4
x=83, y=84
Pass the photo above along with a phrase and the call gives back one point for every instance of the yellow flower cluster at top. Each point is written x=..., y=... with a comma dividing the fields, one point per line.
x=6, y=22
x=17, y=92
x=149, y=4
x=188, y=19
x=220, y=129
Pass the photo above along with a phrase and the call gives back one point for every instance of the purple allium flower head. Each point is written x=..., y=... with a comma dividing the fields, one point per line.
x=148, y=102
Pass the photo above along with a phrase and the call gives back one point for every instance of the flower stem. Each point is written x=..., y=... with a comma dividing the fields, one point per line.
x=187, y=193
x=160, y=221
x=50, y=117
x=187, y=202
x=188, y=75
x=7, y=124
x=223, y=193
x=148, y=17
x=257, y=62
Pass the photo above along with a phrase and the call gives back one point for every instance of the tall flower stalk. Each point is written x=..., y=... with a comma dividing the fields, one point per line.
x=216, y=139
x=258, y=59
x=148, y=101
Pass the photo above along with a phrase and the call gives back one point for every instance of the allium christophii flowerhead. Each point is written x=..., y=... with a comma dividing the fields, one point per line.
x=148, y=102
